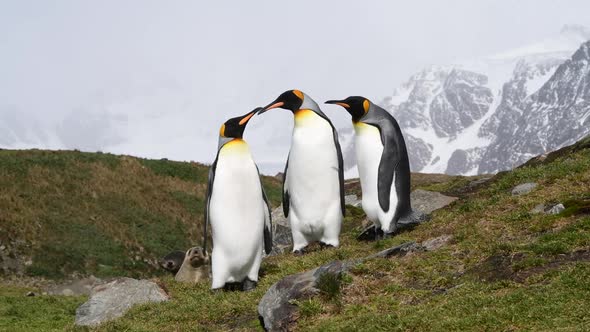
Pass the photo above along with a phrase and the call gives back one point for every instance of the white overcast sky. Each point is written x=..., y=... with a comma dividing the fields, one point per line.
x=216, y=59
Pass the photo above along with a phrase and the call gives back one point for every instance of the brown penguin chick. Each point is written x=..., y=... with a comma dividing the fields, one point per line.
x=195, y=267
x=172, y=261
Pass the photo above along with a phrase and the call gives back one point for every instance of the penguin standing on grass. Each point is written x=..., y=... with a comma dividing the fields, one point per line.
x=383, y=165
x=313, y=182
x=238, y=211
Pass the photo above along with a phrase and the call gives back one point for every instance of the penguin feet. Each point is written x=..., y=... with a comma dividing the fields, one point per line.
x=325, y=245
x=248, y=285
x=380, y=235
x=232, y=286
x=299, y=252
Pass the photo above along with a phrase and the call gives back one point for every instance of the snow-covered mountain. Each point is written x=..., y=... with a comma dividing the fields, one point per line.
x=494, y=113
x=478, y=116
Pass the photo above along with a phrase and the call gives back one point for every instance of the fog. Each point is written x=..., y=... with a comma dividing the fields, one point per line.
x=157, y=79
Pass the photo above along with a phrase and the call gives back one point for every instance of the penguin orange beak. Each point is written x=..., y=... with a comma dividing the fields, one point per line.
x=274, y=104
x=249, y=116
x=338, y=102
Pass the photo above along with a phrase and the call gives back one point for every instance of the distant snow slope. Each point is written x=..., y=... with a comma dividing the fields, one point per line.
x=491, y=114
x=478, y=116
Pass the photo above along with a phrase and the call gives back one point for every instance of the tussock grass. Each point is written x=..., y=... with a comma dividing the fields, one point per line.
x=70, y=212
x=469, y=284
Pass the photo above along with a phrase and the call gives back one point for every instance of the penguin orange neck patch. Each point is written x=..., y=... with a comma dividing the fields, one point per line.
x=236, y=145
x=304, y=115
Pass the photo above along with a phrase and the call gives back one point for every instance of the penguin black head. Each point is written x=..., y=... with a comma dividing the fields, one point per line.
x=289, y=100
x=357, y=106
x=234, y=127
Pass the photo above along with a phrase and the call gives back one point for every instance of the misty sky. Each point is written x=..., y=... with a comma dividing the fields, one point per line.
x=168, y=73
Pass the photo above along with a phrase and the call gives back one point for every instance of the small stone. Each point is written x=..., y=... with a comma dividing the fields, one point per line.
x=352, y=200
x=429, y=201
x=539, y=208
x=67, y=292
x=112, y=300
x=276, y=308
x=523, y=189
x=436, y=243
x=2, y=247
x=556, y=209
x=281, y=237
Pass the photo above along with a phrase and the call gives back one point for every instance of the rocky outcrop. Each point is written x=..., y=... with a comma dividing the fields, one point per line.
x=523, y=189
x=352, y=200
x=429, y=201
x=463, y=100
x=112, y=300
x=493, y=114
x=278, y=309
x=82, y=286
x=281, y=237
x=527, y=126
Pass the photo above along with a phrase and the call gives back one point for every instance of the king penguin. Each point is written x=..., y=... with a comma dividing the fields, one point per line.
x=313, y=182
x=383, y=165
x=237, y=210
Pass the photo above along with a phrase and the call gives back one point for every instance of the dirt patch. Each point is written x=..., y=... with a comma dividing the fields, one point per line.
x=503, y=267
x=576, y=256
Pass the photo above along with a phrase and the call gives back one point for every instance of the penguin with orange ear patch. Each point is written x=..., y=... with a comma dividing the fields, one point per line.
x=238, y=211
x=313, y=182
x=383, y=165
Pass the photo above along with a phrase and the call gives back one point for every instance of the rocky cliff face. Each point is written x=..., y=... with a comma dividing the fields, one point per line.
x=556, y=115
x=495, y=113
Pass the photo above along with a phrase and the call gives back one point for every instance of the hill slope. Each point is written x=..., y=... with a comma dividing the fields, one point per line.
x=68, y=212
x=505, y=268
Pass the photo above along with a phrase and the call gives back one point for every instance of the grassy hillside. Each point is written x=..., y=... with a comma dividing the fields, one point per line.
x=66, y=212
x=504, y=269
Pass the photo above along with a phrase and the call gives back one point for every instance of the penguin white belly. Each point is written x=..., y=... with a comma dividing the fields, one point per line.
x=236, y=213
x=369, y=149
x=313, y=182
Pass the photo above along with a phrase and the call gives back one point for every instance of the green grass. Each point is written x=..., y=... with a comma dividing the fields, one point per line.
x=504, y=269
x=39, y=313
x=70, y=212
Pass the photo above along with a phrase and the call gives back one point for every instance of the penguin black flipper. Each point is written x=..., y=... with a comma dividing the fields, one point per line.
x=267, y=219
x=285, y=191
x=394, y=159
x=340, y=162
x=212, y=170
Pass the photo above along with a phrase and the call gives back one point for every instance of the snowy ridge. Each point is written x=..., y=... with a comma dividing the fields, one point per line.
x=493, y=113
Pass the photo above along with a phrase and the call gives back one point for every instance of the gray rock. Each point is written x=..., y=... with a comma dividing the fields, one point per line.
x=400, y=250
x=352, y=200
x=278, y=307
x=539, y=208
x=281, y=236
x=556, y=209
x=436, y=243
x=112, y=300
x=75, y=287
x=551, y=209
x=429, y=201
x=523, y=189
